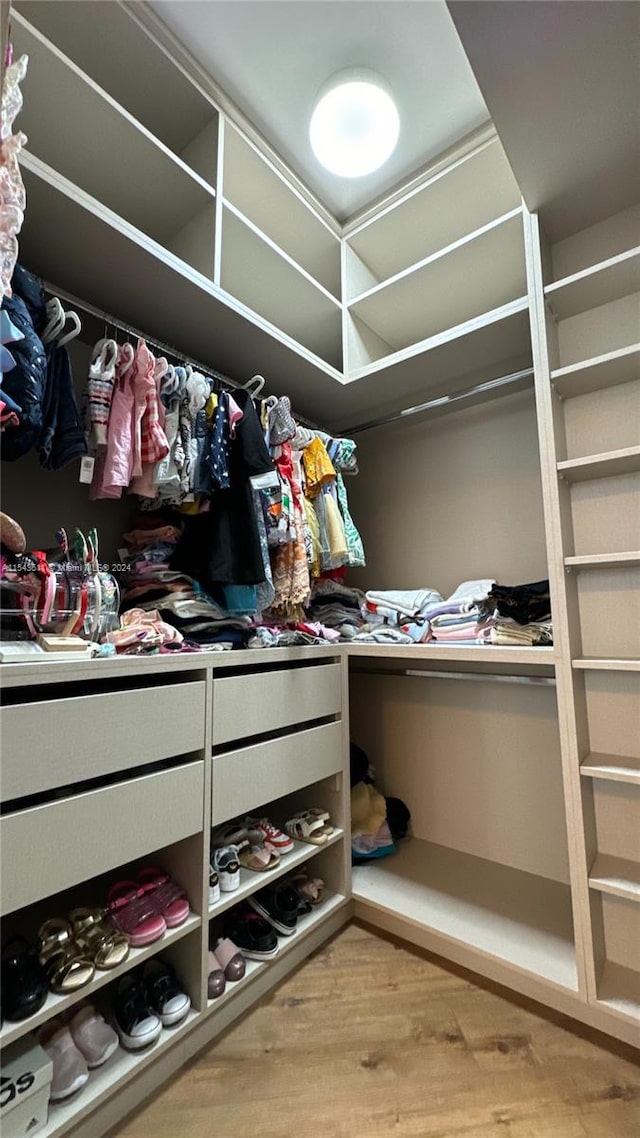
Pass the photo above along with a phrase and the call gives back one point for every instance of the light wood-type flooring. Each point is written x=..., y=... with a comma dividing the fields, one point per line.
x=370, y=1039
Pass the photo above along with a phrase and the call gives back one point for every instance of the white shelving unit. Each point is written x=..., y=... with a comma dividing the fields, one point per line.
x=600, y=284
x=608, y=370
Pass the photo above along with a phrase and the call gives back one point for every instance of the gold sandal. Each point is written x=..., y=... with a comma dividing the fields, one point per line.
x=66, y=965
x=100, y=941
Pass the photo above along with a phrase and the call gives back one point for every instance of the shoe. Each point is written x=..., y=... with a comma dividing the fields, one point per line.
x=272, y=837
x=214, y=885
x=227, y=866
x=24, y=982
x=230, y=959
x=164, y=992
x=252, y=934
x=136, y=1022
x=70, y=1071
x=278, y=904
x=165, y=896
x=98, y=939
x=96, y=1040
x=130, y=912
x=216, y=981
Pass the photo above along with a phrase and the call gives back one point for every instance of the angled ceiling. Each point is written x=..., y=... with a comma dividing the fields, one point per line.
x=271, y=57
x=562, y=82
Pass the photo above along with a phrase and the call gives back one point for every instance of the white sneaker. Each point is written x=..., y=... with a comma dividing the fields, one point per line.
x=227, y=866
x=214, y=885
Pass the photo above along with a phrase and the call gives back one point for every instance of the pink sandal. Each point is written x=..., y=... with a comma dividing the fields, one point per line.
x=130, y=912
x=164, y=896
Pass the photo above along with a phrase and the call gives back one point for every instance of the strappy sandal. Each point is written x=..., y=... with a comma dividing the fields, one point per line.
x=66, y=966
x=322, y=816
x=165, y=895
x=311, y=889
x=130, y=912
x=259, y=858
x=304, y=828
x=101, y=942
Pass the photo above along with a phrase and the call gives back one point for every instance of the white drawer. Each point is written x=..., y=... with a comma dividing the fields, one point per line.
x=55, y=742
x=248, y=777
x=48, y=848
x=265, y=701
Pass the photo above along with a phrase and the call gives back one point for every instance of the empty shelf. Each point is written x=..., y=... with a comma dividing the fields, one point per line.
x=616, y=875
x=608, y=663
x=619, y=989
x=448, y=288
x=614, y=768
x=505, y=913
x=605, y=560
x=600, y=284
x=607, y=465
x=480, y=654
x=595, y=374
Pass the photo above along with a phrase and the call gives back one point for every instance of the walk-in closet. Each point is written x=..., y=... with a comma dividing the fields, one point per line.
x=273, y=685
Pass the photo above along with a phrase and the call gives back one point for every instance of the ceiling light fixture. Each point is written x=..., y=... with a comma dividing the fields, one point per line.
x=355, y=124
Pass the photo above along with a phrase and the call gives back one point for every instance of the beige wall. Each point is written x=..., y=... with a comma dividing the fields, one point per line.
x=455, y=498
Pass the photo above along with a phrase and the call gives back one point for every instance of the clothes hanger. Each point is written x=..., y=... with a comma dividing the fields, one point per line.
x=254, y=385
x=75, y=331
x=56, y=320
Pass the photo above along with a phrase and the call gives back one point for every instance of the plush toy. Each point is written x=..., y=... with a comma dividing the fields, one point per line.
x=376, y=821
x=368, y=809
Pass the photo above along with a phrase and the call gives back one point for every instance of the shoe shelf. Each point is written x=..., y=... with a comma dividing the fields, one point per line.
x=619, y=990
x=102, y=145
x=616, y=875
x=600, y=284
x=251, y=882
x=610, y=464
x=116, y=1073
x=598, y=373
x=506, y=914
x=56, y=1004
x=171, y=105
x=306, y=925
x=613, y=768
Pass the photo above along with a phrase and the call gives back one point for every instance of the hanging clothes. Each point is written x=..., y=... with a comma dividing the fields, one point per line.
x=222, y=546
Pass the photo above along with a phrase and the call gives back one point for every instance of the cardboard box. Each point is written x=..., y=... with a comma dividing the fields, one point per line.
x=25, y=1079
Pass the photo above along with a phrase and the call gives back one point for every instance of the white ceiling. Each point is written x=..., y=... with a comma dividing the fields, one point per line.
x=271, y=57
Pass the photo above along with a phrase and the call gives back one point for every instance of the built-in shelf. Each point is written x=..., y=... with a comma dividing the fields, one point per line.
x=118, y=1070
x=610, y=464
x=604, y=560
x=447, y=288
x=158, y=292
x=55, y=1005
x=257, y=189
x=619, y=989
x=600, y=284
x=608, y=663
x=250, y=881
x=481, y=654
x=265, y=278
x=502, y=912
x=616, y=875
x=613, y=768
x=306, y=925
x=609, y=370
x=171, y=105
x=105, y=151
x=453, y=202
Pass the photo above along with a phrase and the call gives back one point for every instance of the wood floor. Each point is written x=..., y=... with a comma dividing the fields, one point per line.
x=372, y=1040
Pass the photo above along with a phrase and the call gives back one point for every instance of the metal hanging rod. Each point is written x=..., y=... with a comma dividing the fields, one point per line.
x=446, y=400
x=113, y=321
x=478, y=677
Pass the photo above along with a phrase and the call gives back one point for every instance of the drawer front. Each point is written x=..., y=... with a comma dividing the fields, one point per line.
x=246, y=778
x=265, y=701
x=60, y=741
x=51, y=847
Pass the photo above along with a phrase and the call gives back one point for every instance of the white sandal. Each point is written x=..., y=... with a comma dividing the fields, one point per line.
x=305, y=828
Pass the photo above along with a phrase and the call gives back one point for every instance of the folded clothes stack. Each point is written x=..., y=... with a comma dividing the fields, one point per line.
x=522, y=614
x=335, y=606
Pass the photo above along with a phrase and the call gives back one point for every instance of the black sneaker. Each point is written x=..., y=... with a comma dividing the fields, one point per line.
x=164, y=992
x=24, y=981
x=136, y=1022
x=278, y=904
x=251, y=934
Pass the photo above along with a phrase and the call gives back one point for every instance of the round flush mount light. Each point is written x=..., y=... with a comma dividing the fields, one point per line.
x=355, y=124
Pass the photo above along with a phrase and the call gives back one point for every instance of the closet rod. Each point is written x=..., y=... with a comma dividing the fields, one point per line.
x=445, y=400
x=107, y=318
x=492, y=677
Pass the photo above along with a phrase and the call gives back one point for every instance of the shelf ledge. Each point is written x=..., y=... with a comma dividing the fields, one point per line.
x=604, y=560
x=616, y=875
x=598, y=373
x=611, y=768
x=609, y=464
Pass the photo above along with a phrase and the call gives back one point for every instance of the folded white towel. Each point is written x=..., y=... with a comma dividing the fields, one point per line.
x=409, y=602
